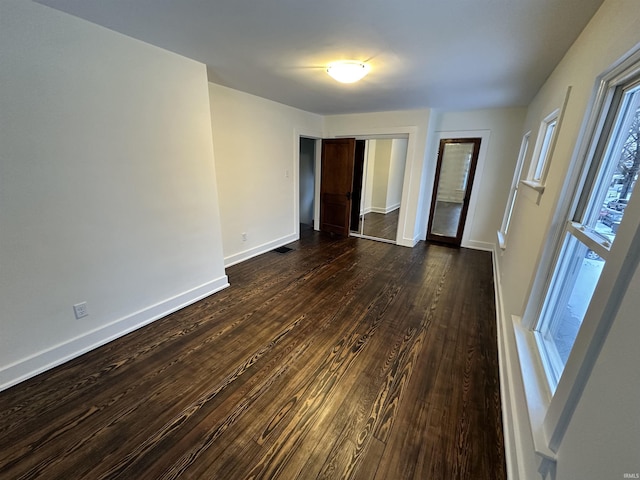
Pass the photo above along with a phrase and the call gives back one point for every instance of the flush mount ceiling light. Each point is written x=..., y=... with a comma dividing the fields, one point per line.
x=348, y=71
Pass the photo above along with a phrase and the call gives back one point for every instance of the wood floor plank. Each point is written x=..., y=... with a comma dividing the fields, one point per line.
x=347, y=294
x=344, y=358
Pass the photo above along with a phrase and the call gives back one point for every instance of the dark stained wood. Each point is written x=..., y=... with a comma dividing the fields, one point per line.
x=381, y=225
x=336, y=182
x=343, y=359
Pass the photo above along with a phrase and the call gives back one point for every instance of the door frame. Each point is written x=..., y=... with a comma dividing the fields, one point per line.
x=295, y=176
x=410, y=133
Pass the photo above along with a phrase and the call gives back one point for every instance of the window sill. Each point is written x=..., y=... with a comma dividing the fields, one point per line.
x=502, y=241
x=537, y=395
x=537, y=186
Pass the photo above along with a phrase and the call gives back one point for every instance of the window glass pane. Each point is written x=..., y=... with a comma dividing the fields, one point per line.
x=620, y=170
x=510, y=211
x=544, y=151
x=506, y=221
x=575, y=281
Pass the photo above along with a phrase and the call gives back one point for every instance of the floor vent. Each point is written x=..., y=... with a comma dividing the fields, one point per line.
x=282, y=249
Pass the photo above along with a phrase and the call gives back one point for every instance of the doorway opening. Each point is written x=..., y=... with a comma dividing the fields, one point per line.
x=307, y=182
x=362, y=184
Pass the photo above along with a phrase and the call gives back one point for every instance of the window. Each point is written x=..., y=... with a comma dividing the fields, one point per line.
x=506, y=219
x=591, y=228
x=539, y=168
x=540, y=162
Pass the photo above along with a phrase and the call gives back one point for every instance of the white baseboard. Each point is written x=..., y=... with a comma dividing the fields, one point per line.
x=393, y=208
x=520, y=455
x=259, y=250
x=475, y=245
x=408, y=242
x=52, y=357
x=508, y=424
x=384, y=210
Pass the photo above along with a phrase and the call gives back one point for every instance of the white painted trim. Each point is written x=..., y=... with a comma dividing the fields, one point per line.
x=536, y=390
x=410, y=132
x=502, y=240
x=392, y=208
x=260, y=249
x=513, y=191
x=541, y=158
x=477, y=245
x=409, y=242
x=318, y=170
x=510, y=426
x=537, y=186
x=385, y=210
x=42, y=361
x=523, y=402
x=369, y=237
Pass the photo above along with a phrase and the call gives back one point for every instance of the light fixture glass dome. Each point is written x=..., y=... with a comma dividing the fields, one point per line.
x=348, y=71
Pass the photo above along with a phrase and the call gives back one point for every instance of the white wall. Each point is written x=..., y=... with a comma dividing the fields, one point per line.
x=396, y=172
x=388, y=174
x=603, y=440
x=382, y=162
x=256, y=196
x=256, y=144
x=603, y=436
x=369, y=175
x=501, y=130
x=107, y=186
x=417, y=179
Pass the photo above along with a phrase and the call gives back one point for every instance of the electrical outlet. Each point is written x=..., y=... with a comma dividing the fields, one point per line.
x=80, y=310
x=244, y=237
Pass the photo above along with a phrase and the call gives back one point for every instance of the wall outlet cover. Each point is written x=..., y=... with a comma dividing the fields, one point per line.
x=80, y=310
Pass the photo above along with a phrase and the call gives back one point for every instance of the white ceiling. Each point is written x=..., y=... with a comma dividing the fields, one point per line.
x=445, y=54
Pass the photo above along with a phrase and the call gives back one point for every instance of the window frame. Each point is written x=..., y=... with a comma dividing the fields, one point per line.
x=621, y=264
x=545, y=144
x=513, y=192
x=580, y=233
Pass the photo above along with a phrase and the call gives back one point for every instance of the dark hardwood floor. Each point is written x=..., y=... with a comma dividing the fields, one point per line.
x=380, y=225
x=345, y=358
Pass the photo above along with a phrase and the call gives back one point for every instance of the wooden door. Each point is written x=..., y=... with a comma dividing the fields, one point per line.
x=336, y=181
x=457, y=159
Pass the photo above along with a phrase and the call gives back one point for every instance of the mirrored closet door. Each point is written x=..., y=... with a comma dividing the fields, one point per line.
x=377, y=187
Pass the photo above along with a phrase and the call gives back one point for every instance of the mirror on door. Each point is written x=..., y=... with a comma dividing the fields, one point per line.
x=377, y=187
x=457, y=160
